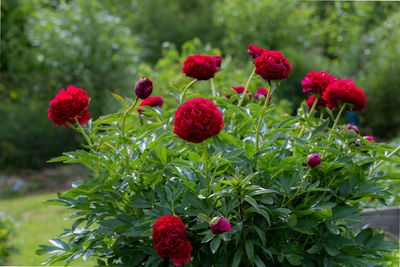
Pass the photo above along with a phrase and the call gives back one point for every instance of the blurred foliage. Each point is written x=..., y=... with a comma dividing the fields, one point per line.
x=7, y=230
x=104, y=46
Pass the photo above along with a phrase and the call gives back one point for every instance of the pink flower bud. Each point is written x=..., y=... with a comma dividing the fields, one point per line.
x=313, y=160
x=219, y=225
x=353, y=127
x=144, y=88
x=369, y=138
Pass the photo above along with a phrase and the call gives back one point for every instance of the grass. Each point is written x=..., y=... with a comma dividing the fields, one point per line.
x=36, y=223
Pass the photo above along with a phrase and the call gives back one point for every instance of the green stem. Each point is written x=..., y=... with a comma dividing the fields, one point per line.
x=128, y=168
x=206, y=165
x=397, y=149
x=243, y=96
x=185, y=90
x=214, y=93
x=298, y=189
x=83, y=132
x=329, y=111
x=314, y=105
x=336, y=120
x=261, y=118
x=245, y=88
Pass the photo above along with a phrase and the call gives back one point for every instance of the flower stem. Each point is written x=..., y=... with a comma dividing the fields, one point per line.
x=185, y=90
x=243, y=232
x=206, y=166
x=314, y=105
x=128, y=169
x=261, y=117
x=83, y=132
x=214, y=93
x=337, y=120
x=245, y=88
x=298, y=189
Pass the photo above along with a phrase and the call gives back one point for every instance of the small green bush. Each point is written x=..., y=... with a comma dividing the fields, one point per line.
x=7, y=231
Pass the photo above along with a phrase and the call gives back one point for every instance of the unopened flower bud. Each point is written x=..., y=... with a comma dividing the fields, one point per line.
x=353, y=127
x=313, y=160
x=219, y=225
x=144, y=88
x=369, y=138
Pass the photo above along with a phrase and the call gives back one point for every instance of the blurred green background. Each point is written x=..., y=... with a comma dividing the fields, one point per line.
x=105, y=46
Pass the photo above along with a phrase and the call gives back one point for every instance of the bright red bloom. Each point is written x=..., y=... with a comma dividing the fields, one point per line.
x=219, y=225
x=170, y=240
x=200, y=67
x=255, y=51
x=152, y=101
x=344, y=91
x=317, y=81
x=272, y=65
x=262, y=92
x=218, y=61
x=68, y=104
x=314, y=160
x=310, y=101
x=369, y=138
x=239, y=90
x=197, y=120
x=144, y=88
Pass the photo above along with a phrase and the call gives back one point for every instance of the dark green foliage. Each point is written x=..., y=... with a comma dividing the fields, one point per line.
x=282, y=212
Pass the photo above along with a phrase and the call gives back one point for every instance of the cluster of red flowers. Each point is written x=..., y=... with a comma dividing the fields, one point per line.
x=67, y=105
x=332, y=92
x=201, y=67
x=197, y=120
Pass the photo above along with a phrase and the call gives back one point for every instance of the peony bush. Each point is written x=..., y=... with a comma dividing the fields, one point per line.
x=214, y=180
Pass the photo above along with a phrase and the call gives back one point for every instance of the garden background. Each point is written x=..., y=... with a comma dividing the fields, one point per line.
x=105, y=46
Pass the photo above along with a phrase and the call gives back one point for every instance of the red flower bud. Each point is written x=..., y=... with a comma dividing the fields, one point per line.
x=353, y=127
x=219, y=225
x=313, y=160
x=144, y=88
x=262, y=92
x=239, y=90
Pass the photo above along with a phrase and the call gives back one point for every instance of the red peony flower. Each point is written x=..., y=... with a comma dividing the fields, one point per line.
x=170, y=240
x=314, y=160
x=218, y=61
x=144, y=88
x=317, y=81
x=262, y=92
x=200, y=67
x=272, y=65
x=219, y=225
x=353, y=127
x=310, y=101
x=344, y=91
x=152, y=101
x=369, y=138
x=239, y=90
x=255, y=51
x=68, y=104
x=197, y=120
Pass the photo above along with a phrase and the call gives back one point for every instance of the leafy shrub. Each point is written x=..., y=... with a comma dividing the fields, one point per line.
x=254, y=173
x=7, y=230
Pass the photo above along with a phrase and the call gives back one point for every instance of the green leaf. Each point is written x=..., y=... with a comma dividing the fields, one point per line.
x=331, y=250
x=260, y=233
x=121, y=100
x=332, y=227
x=315, y=248
x=305, y=226
x=59, y=243
x=207, y=238
x=236, y=258
x=250, y=250
x=294, y=259
x=252, y=202
x=214, y=245
x=259, y=262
